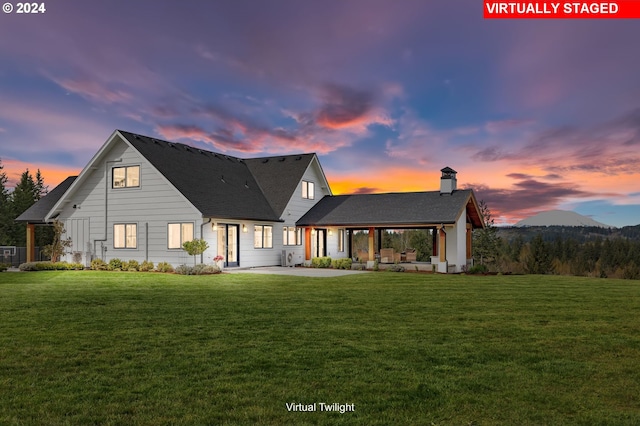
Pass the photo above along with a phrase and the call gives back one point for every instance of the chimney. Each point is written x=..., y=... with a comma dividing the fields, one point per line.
x=448, y=181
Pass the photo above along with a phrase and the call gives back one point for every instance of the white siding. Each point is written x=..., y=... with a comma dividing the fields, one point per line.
x=457, y=244
x=332, y=244
x=298, y=206
x=151, y=206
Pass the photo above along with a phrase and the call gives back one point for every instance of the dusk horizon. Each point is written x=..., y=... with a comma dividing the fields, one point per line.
x=534, y=115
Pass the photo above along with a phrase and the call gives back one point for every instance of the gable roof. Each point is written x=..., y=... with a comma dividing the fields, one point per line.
x=37, y=212
x=393, y=209
x=279, y=176
x=217, y=185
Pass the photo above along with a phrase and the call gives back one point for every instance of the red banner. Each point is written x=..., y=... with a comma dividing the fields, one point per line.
x=621, y=9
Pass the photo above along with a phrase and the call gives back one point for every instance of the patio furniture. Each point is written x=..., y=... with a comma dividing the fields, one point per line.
x=363, y=255
x=387, y=255
x=411, y=255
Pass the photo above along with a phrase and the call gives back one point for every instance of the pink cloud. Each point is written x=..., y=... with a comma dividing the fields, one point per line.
x=94, y=91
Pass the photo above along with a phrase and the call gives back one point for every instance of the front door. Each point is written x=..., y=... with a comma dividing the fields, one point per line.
x=321, y=242
x=228, y=244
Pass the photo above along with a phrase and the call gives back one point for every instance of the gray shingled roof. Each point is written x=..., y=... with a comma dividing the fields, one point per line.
x=279, y=176
x=404, y=208
x=37, y=212
x=223, y=186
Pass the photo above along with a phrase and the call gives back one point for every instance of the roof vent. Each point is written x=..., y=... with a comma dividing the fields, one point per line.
x=171, y=145
x=136, y=137
x=299, y=157
x=222, y=179
x=265, y=160
x=187, y=148
x=246, y=184
x=282, y=159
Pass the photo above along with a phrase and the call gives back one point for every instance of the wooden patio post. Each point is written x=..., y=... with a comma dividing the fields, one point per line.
x=434, y=245
x=443, y=245
x=307, y=243
x=372, y=255
x=31, y=242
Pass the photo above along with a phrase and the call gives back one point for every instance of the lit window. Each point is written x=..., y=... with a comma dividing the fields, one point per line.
x=178, y=234
x=263, y=236
x=292, y=236
x=308, y=190
x=125, y=236
x=126, y=177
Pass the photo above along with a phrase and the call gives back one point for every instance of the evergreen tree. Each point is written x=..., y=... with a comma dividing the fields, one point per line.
x=485, y=241
x=537, y=260
x=23, y=196
x=6, y=219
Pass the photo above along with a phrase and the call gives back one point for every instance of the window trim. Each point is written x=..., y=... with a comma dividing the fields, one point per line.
x=285, y=236
x=113, y=176
x=182, y=240
x=125, y=224
x=306, y=194
x=262, y=227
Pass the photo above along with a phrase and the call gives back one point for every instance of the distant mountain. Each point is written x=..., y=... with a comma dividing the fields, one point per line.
x=560, y=218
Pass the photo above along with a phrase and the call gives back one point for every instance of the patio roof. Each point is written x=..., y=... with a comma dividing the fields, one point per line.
x=401, y=209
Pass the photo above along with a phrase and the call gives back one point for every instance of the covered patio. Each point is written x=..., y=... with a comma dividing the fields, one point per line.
x=450, y=214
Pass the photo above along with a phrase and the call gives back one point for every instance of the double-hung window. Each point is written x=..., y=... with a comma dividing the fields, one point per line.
x=126, y=177
x=125, y=236
x=178, y=234
x=263, y=236
x=308, y=190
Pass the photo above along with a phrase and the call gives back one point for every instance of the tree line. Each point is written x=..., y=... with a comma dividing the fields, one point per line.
x=13, y=203
x=560, y=250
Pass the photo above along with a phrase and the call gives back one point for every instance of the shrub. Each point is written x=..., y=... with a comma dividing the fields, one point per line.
x=164, y=267
x=50, y=266
x=114, y=264
x=342, y=263
x=184, y=270
x=478, y=269
x=4, y=267
x=395, y=268
x=321, y=262
x=98, y=265
x=202, y=269
x=631, y=272
x=132, y=265
x=146, y=266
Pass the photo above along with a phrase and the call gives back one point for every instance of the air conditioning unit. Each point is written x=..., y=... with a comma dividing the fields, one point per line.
x=291, y=258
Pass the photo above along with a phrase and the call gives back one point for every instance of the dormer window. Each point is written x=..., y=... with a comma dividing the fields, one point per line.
x=126, y=177
x=308, y=190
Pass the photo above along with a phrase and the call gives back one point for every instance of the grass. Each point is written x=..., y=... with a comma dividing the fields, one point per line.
x=134, y=348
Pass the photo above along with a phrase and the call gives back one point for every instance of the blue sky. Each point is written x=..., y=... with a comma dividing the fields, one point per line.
x=533, y=114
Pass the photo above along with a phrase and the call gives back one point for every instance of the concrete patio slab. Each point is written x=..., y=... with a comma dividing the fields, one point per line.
x=299, y=272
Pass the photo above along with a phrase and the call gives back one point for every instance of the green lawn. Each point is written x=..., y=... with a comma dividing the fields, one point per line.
x=143, y=348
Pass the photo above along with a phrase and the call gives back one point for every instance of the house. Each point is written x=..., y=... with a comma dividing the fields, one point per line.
x=141, y=198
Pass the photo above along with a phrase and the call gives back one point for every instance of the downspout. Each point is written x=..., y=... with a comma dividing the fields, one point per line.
x=146, y=241
x=202, y=236
x=106, y=205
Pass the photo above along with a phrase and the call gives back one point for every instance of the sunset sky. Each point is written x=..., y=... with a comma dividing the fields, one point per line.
x=533, y=114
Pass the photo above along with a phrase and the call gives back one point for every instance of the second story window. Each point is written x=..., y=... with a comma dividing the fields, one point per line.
x=126, y=177
x=308, y=190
